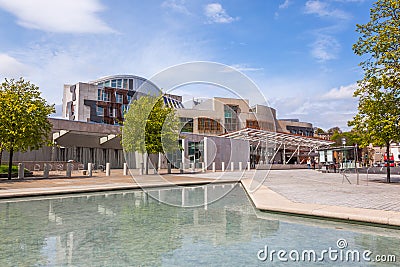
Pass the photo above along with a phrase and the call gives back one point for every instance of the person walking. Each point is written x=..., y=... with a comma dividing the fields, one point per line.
x=309, y=162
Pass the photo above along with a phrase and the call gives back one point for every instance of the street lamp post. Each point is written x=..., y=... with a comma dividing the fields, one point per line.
x=344, y=151
x=355, y=162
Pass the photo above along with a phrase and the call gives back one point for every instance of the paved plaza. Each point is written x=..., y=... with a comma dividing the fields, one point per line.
x=308, y=186
x=307, y=192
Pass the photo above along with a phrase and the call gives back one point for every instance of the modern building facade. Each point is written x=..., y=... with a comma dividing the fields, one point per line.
x=224, y=115
x=105, y=100
x=220, y=130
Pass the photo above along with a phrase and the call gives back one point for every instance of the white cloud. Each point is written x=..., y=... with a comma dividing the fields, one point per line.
x=343, y=92
x=58, y=15
x=216, y=14
x=79, y=60
x=323, y=113
x=11, y=67
x=325, y=48
x=285, y=4
x=176, y=5
x=322, y=9
x=245, y=67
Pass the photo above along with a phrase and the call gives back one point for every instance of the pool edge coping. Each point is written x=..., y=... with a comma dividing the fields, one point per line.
x=68, y=191
x=264, y=199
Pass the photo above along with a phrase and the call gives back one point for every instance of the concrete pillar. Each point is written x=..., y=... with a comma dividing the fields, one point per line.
x=181, y=167
x=240, y=166
x=183, y=153
x=159, y=161
x=213, y=167
x=202, y=167
x=248, y=165
x=223, y=166
x=284, y=154
x=192, y=166
x=107, y=169
x=45, y=170
x=205, y=149
x=232, y=166
x=125, y=169
x=90, y=169
x=169, y=167
x=21, y=170
x=69, y=169
x=141, y=171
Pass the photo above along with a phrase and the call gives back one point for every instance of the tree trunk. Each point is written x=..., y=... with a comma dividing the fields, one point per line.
x=388, y=162
x=10, y=163
x=1, y=155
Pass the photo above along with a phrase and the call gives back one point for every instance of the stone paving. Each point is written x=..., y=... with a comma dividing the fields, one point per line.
x=314, y=187
x=309, y=186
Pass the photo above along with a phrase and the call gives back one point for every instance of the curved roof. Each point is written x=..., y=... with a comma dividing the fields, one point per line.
x=123, y=76
x=290, y=140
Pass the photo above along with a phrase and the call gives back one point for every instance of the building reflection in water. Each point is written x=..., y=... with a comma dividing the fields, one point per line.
x=135, y=228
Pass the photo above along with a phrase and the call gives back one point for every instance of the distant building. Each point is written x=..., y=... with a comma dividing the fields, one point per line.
x=223, y=115
x=324, y=135
x=106, y=99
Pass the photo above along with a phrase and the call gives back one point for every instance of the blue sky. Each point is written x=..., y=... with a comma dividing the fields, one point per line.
x=297, y=52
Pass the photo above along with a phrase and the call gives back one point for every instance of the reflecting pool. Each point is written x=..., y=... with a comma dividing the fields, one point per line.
x=130, y=228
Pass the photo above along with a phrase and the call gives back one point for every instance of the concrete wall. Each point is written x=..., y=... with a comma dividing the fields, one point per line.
x=282, y=124
x=85, y=91
x=98, y=156
x=219, y=149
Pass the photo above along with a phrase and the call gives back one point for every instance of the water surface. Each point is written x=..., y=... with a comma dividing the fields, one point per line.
x=132, y=229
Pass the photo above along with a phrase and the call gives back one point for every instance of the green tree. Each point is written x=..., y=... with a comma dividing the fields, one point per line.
x=352, y=138
x=23, y=118
x=379, y=91
x=150, y=127
x=318, y=130
x=333, y=130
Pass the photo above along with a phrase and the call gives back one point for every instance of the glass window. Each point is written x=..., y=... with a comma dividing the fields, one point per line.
x=99, y=94
x=186, y=125
x=209, y=125
x=100, y=111
x=252, y=124
x=119, y=98
x=125, y=84
x=119, y=83
x=113, y=83
x=106, y=96
x=230, y=112
x=107, y=83
x=125, y=108
x=130, y=84
x=129, y=98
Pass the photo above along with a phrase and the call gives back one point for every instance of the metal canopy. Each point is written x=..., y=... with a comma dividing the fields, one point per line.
x=290, y=141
